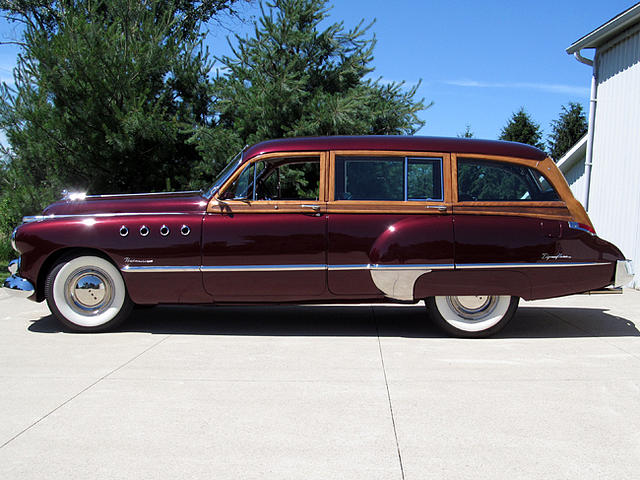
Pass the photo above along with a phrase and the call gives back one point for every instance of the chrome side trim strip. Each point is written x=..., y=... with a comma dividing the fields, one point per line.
x=368, y=267
x=113, y=195
x=223, y=268
x=40, y=218
x=528, y=265
x=403, y=268
x=348, y=267
x=283, y=268
x=439, y=266
x=159, y=269
x=262, y=268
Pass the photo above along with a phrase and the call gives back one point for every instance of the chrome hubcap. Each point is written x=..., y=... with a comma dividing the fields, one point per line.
x=89, y=291
x=473, y=307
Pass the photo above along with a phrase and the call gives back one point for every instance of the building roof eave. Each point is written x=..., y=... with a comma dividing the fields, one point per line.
x=575, y=153
x=605, y=32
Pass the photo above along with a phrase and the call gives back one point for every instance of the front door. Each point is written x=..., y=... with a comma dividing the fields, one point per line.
x=264, y=237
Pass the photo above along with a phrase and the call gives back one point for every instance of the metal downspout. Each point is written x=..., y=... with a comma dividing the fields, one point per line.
x=593, y=101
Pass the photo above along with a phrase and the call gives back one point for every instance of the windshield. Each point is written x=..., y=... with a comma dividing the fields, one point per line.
x=226, y=173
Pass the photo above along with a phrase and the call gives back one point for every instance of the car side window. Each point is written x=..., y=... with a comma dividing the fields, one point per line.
x=486, y=180
x=388, y=178
x=278, y=179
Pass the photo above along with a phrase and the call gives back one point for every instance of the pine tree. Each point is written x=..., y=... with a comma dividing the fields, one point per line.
x=570, y=127
x=107, y=93
x=468, y=133
x=294, y=76
x=521, y=128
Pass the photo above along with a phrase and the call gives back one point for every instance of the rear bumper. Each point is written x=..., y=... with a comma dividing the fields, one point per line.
x=624, y=273
x=19, y=287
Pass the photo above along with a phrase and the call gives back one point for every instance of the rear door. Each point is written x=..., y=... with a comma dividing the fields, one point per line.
x=389, y=220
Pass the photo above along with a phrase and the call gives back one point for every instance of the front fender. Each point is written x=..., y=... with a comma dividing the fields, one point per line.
x=40, y=243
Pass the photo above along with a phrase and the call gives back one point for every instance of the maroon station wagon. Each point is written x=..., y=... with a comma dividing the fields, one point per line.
x=468, y=226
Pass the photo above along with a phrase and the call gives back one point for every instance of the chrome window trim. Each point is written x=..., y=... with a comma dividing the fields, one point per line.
x=405, y=166
x=406, y=180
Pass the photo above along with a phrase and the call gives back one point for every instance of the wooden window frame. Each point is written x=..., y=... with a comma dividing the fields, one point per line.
x=554, y=209
x=390, y=206
x=272, y=206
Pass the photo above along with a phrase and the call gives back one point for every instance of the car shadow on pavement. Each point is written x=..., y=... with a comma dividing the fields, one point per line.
x=352, y=320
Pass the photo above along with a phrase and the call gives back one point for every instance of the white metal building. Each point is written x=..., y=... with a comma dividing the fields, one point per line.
x=606, y=177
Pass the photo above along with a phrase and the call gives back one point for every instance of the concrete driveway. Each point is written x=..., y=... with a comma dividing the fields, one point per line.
x=322, y=392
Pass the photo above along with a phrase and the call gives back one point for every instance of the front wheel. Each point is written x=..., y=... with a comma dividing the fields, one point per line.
x=87, y=294
x=472, y=316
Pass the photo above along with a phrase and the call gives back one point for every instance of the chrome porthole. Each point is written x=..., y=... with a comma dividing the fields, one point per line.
x=473, y=307
x=144, y=230
x=124, y=231
x=89, y=291
x=164, y=230
x=185, y=230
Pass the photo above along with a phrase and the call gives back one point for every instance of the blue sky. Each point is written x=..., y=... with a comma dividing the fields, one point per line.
x=478, y=61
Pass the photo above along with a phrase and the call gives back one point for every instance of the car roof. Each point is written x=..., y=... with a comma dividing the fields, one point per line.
x=397, y=142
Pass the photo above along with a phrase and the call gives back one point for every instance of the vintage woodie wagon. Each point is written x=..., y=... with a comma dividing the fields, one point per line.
x=469, y=226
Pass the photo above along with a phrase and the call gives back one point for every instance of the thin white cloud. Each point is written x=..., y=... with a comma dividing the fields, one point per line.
x=544, y=87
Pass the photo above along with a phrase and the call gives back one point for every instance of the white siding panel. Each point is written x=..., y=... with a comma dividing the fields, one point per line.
x=614, y=205
x=576, y=180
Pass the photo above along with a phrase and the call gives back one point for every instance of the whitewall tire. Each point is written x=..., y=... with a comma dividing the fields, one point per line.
x=472, y=315
x=87, y=294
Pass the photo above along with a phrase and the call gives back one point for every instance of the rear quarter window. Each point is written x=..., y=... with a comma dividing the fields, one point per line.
x=486, y=180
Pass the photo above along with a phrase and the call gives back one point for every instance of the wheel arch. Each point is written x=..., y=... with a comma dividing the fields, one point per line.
x=57, y=255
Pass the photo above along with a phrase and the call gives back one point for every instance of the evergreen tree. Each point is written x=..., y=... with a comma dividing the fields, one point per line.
x=468, y=133
x=521, y=128
x=106, y=94
x=295, y=76
x=570, y=127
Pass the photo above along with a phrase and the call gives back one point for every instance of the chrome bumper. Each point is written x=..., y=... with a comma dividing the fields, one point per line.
x=624, y=273
x=15, y=285
x=18, y=287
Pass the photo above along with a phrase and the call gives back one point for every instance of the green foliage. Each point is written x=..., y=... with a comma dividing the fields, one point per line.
x=296, y=76
x=106, y=95
x=468, y=133
x=106, y=100
x=115, y=95
x=521, y=128
x=570, y=127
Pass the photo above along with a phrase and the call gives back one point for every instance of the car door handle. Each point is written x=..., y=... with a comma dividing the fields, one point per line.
x=440, y=208
x=313, y=207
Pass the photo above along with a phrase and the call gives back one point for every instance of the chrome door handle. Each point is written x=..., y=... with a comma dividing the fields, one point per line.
x=313, y=207
x=440, y=208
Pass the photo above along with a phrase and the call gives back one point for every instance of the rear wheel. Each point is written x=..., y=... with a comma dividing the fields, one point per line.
x=87, y=294
x=472, y=316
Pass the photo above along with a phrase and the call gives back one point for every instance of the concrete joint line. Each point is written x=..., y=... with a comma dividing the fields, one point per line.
x=386, y=383
x=82, y=391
